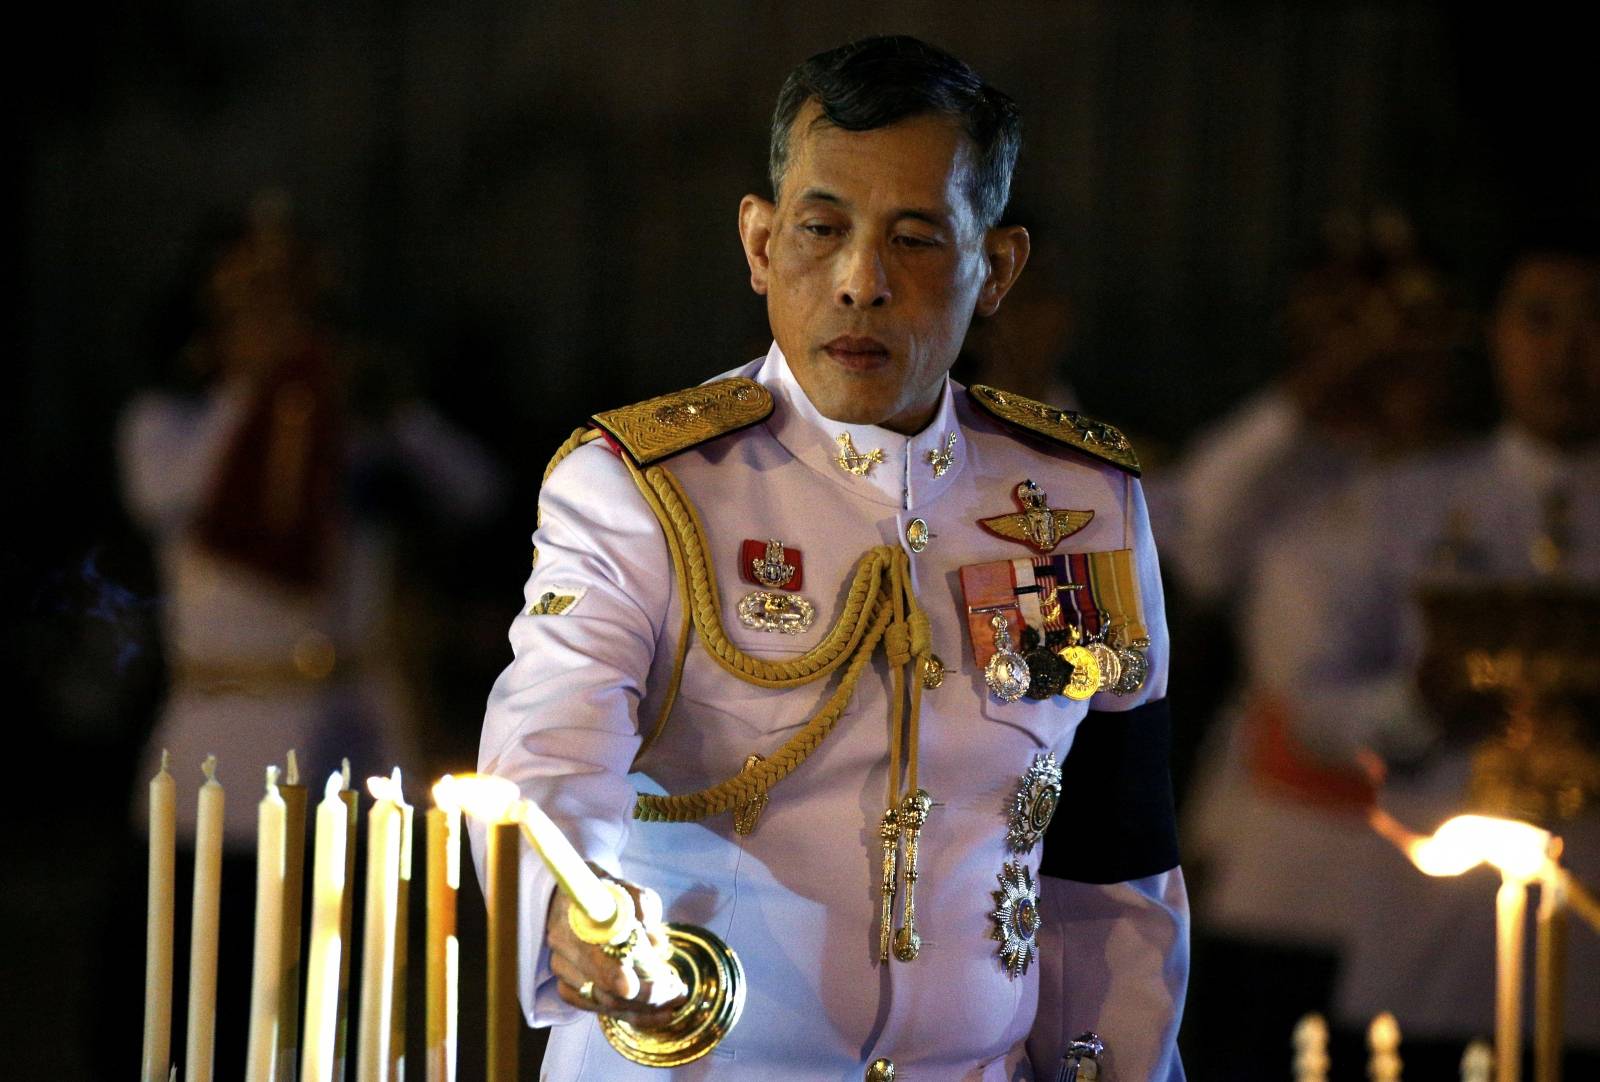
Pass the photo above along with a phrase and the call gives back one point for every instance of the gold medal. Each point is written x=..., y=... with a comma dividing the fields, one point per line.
x=1085, y=678
x=1109, y=663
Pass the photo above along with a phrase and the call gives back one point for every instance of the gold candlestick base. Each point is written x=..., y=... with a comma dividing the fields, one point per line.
x=715, y=979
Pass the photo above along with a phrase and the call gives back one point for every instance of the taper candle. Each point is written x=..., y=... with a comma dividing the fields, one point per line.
x=326, y=954
x=443, y=959
x=158, y=925
x=199, y=1057
x=384, y=828
x=267, y=965
x=294, y=883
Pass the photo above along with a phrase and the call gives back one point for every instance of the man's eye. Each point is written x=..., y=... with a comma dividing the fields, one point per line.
x=819, y=229
x=914, y=240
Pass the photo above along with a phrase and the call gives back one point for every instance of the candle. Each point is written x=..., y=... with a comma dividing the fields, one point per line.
x=1550, y=976
x=199, y=1053
x=1510, y=912
x=384, y=828
x=501, y=873
x=294, y=880
x=158, y=925
x=443, y=959
x=347, y=917
x=402, y=952
x=598, y=903
x=267, y=965
x=326, y=955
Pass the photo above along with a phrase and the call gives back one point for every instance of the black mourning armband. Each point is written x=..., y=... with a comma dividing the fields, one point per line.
x=1116, y=820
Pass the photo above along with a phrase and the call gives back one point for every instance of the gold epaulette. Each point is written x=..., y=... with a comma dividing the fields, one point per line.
x=1066, y=427
x=661, y=427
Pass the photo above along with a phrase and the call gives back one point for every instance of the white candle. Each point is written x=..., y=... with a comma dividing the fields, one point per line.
x=325, y=956
x=199, y=1052
x=402, y=947
x=582, y=885
x=158, y=926
x=347, y=917
x=267, y=967
x=384, y=828
x=294, y=882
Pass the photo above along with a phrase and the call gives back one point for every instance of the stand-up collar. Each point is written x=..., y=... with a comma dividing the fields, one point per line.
x=891, y=469
x=1540, y=466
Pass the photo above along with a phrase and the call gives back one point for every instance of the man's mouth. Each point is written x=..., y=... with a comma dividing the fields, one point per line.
x=857, y=354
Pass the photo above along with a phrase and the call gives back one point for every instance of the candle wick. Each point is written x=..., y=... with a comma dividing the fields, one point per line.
x=292, y=775
x=166, y=760
x=209, y=768
x=344, y=772
x=272, y=779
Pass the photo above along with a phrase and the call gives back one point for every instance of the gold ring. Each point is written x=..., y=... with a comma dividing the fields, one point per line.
x=586, y=992
x=623, y=952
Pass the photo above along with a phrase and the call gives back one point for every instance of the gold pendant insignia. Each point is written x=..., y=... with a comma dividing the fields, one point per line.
x=1016, y=918
x=1038, y=525
x=856, y=462
x=771, y=570
x=1034, y=803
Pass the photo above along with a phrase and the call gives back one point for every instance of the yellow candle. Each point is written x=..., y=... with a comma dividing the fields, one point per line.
x=294, y=883
x=158, y=926
x=443, y=962
x=402, y=951
x=199, y=1053
x=570, y=870
x=267, y=965
x=1511, y=903
x=326, y=954
x=504, y=1023
x=347, y=917
x=384, y=829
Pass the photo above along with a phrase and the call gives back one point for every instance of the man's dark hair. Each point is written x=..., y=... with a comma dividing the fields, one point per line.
x=878, y=81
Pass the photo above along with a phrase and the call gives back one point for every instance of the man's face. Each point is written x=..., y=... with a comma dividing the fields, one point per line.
x=873, y=262
x=1546, y=339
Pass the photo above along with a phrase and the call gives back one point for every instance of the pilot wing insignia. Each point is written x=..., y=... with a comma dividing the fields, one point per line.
x=1037, y=525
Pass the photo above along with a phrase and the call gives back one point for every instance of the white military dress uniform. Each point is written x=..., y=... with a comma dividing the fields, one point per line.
x=798, y=898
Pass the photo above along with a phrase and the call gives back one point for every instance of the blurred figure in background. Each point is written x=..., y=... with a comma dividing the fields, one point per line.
x=273, y=498
x=1375, y=375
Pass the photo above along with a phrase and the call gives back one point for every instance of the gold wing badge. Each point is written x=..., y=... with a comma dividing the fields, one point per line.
x=1037, y=525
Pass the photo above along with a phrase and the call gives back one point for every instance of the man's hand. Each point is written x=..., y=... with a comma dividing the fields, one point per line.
x=644, y=993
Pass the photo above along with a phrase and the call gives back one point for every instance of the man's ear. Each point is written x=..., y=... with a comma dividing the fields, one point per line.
x=1006, y=249
x=755, y=231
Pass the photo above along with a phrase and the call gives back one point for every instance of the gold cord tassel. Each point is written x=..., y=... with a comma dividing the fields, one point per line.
x=913, y=814
x=889, y=831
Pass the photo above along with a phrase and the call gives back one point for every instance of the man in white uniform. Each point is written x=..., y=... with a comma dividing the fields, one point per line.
x=885, y=586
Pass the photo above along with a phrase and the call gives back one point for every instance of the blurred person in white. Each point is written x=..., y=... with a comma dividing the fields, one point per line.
x=1338, y=640
x=273, y=497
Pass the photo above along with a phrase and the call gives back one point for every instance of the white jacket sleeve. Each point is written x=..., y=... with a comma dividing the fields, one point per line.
x=562, y=719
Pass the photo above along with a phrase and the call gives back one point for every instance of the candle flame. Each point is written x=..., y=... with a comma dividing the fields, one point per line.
x=344, y=771
x=272, y=779
x=486, y=797
x=291, y=775
x=444, y=794
x=166, y=760
x=1519, y=850
x=209, y=769
x=387, y=788
x=335, y=783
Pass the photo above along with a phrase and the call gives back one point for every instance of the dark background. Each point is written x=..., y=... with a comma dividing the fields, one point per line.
x=533, y=209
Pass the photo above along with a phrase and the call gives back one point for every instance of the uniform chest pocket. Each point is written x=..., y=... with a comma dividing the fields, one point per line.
x=716, y=697
x=1050, y=722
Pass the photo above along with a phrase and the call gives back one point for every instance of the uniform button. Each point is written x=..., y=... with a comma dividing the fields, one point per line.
x=880, y=1070
x=932, y=671
x=917, y=535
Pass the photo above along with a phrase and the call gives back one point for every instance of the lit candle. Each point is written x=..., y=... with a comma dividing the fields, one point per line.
x=267, y=965
x=501, y=869
x=596, y=900
x=199, y=1054
x=402, y=951
x=158, y=925
x=347, y=917
x=1511, y=903
x=384, y=829
x=327, y=951
x=444, y=959
x=294, y=881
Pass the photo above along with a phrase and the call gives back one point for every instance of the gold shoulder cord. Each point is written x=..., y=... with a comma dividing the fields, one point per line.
x=879, y=607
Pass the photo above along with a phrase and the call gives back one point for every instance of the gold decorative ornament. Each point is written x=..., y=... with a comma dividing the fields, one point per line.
x=1066, y=427
x=715, y=977
x=880, y=1070
x=1037, y=525
x=1107, y=661
x=856, y=462
x=748, y=813
x=661, y=427
x=1007, y=673
x=772, y=571
x=889, y=835
x=786, y=614
x=1085, y=679
x=1034, y=802
x=932, y=672
x=913, y=814
x=941, y=461
x=917, y=535
x=1016, y=918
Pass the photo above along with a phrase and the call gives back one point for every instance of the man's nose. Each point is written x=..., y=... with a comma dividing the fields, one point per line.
x=863, y=280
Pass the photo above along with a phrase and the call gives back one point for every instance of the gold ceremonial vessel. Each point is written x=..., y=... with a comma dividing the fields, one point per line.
x=1513, y=668
x=715, y=979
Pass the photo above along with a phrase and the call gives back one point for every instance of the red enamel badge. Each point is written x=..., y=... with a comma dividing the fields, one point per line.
x=769, y=564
